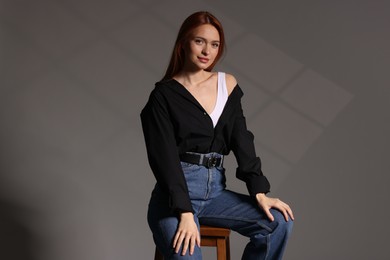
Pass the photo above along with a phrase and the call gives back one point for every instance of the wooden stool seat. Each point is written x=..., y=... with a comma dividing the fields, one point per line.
x=211, y=236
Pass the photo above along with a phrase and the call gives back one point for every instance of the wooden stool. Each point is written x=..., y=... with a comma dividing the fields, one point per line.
x=211, y=236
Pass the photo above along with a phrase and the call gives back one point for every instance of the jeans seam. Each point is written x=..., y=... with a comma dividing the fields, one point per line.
x=268, y=237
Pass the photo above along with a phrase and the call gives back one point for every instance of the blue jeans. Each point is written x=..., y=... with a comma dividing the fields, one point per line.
x=216, y=206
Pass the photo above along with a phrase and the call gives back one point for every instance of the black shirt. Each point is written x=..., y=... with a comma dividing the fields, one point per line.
x=174, y=122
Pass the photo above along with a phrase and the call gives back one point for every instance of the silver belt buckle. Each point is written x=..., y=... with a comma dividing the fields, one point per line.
x=211, y=162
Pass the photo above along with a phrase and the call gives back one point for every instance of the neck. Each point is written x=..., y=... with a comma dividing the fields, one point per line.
x=193, y=77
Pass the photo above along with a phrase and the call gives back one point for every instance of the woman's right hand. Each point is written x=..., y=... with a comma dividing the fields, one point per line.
x=187, y=234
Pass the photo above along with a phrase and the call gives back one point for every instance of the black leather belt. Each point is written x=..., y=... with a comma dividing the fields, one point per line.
x=207, y=160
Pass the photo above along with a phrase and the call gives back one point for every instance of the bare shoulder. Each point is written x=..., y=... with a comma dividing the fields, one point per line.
x=231, y=82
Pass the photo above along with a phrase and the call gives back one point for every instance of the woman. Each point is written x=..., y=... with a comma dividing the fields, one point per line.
x=193, y=118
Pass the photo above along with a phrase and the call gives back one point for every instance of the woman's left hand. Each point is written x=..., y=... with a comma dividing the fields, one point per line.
x=267, y=203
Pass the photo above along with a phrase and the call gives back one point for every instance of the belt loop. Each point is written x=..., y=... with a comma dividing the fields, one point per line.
x=201, y=159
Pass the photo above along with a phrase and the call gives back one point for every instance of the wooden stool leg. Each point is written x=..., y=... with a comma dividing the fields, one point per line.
x=227, y=248
x=221, y=249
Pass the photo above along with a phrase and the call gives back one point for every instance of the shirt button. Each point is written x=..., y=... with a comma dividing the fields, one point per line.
x=204, y=113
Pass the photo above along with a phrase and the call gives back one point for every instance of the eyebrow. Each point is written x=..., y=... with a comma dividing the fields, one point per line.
x=206, y=39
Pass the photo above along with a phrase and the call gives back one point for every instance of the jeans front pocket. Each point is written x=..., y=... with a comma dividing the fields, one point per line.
x=196, y=177
x=186, y=165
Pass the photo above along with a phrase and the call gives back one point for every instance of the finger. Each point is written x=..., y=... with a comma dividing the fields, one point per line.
x=185, y=245
x=179, y=242
x=192, y=245
x=290, y=213
x=282, y=209
x=176, y=238
x=285, y=214
x=269, y=215
x=198, y=239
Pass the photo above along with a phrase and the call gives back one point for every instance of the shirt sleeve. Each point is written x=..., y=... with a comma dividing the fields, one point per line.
x=249, y=165
x=163, y=153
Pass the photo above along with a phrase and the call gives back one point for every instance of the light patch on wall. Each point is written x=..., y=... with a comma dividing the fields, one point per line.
x=261, y=62
x=316, y=97
x=284, y=131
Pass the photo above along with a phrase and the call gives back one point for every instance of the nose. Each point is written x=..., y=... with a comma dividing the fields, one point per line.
x=206, y=50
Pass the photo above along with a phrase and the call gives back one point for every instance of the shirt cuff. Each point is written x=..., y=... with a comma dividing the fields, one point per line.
x=180, y=202
x=258, y=184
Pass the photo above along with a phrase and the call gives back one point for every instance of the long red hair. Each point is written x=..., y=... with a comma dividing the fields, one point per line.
x=193, y=21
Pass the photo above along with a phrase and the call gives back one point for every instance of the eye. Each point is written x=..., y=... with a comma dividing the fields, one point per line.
x=215, y=45
x=198, y=41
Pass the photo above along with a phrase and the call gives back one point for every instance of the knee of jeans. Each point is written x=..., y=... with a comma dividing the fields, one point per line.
x=288, y=226
x=282, y=224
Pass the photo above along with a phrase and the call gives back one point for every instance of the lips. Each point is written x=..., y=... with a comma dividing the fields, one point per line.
x=203, y=60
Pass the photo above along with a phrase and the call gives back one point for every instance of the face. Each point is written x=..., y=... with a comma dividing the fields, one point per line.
x=202, y=47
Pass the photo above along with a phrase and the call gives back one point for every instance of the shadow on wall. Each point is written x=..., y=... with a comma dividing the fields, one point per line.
x=17, y=241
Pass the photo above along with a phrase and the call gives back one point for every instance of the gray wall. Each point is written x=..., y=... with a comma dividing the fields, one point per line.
x=75, y=74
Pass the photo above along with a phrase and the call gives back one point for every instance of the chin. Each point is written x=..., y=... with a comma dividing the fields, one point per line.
x=204, y=66
x=201, y=66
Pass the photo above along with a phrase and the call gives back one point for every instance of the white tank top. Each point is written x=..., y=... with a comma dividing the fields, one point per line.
x=222, y=97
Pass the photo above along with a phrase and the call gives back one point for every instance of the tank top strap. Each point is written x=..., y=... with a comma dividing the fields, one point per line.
x=222, y=97
x=222, y=85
